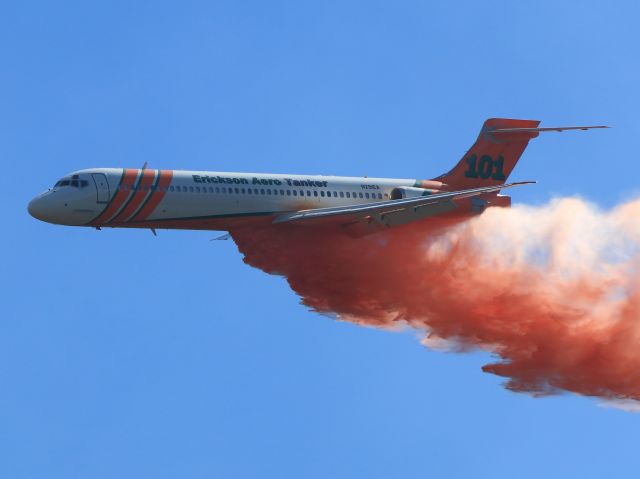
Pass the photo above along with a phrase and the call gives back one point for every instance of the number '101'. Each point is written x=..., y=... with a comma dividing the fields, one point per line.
x=487, y=167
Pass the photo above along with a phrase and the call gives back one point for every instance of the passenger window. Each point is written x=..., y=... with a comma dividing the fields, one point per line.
x=268, y=191
x=217, y=189
x=262, y=191
x=242, y=191
x=249, y=191
x=335, y=194
x=237, y=191
x=315, y=193
x=224, y=190
x=171, y=188
x=341, y=194
x=288, y=192
x=308, y=192
x=366, y=195
x=197, y=189
x=281, y=192
x=295, y=193
x=322, y=194
x=191, y=189
x=360, y=195
x=379, y=196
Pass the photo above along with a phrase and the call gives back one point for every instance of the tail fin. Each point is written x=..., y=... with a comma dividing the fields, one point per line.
x=492, y=157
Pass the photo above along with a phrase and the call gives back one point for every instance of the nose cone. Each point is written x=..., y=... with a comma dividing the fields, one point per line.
x=41, y=209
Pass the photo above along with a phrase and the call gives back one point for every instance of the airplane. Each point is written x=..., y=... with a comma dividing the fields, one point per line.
x=206, y=200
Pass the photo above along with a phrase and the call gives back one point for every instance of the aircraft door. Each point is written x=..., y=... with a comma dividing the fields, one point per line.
x=102, y=187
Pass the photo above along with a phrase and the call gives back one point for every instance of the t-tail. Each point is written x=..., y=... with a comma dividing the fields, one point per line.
x=493, y=156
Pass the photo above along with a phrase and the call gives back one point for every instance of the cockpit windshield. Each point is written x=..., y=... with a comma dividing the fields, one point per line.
x=73, y=182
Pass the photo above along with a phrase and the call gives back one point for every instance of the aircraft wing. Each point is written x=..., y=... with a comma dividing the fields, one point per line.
x=390, y=213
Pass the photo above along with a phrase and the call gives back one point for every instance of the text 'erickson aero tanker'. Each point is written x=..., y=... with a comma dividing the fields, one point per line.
x=205, y=200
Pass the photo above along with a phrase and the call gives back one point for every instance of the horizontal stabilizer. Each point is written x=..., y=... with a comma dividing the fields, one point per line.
x=509, y=133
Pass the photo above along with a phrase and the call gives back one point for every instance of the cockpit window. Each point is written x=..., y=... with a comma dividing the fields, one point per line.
x=74, y=183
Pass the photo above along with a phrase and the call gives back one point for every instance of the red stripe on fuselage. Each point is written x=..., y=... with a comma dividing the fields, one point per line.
x=138, y=196
x=120, y=196
x=156, y=196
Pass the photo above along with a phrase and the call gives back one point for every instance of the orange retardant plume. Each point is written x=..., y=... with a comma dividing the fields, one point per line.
x=553, y=292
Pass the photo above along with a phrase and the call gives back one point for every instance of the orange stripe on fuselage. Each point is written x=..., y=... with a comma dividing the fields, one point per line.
x=139, y=195
x=120, y=196
x=156, y=196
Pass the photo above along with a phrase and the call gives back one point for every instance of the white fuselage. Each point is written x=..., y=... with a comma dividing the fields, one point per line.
x=196, y=199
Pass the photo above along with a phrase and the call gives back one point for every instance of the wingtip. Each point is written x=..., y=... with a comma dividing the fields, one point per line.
x=527, y=182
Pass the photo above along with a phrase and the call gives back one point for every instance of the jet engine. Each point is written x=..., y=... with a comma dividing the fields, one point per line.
x=402, y=192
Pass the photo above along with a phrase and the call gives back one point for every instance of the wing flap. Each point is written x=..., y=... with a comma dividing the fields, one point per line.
x=390, y=213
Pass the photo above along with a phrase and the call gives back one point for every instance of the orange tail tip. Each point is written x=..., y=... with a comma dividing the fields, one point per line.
x=490, y=160
x=493, y=156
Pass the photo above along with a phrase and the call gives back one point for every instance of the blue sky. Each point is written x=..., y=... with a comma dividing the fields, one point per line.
x=126, y=355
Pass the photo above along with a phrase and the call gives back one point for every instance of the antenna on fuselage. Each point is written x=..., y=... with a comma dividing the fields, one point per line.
x=144, y=167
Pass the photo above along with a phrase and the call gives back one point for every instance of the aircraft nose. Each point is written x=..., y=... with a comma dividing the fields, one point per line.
x=40, y=209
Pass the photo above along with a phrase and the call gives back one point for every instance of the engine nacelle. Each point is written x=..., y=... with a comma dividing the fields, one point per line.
x=402, y=192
